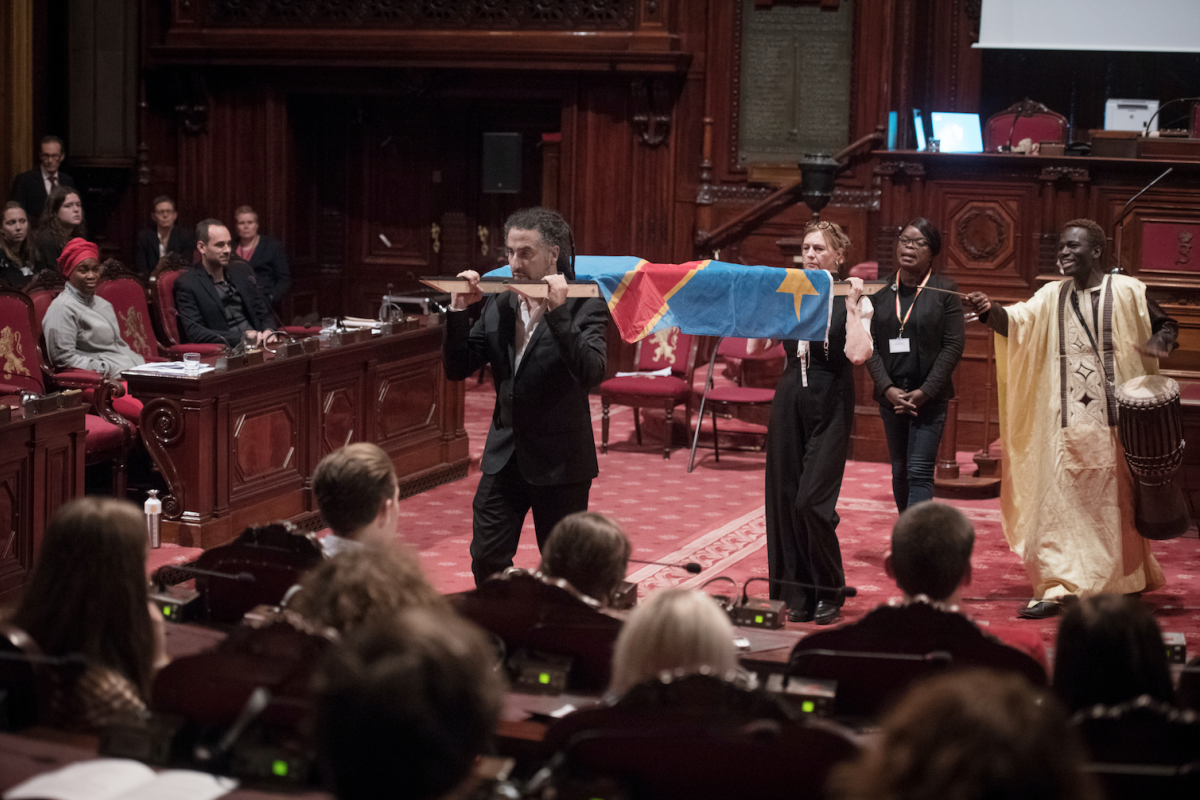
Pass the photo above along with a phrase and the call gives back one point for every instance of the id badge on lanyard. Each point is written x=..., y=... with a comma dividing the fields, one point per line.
x=900, y=344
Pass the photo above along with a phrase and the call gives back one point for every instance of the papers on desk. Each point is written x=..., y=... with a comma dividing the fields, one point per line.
x=120, y=779
x=168, y=368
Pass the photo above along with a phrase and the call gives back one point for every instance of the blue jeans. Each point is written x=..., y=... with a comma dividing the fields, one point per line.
x=913, y=445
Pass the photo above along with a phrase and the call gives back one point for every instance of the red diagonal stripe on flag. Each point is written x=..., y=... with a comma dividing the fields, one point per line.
x=643, y=298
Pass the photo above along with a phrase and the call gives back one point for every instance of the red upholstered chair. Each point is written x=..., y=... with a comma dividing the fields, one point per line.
x=867, y=270
x=732, y=401
x=667, y=349
x=42, y=289
x=162, y=294
x=124, y=289
x=22, y=368
x=1024, y=120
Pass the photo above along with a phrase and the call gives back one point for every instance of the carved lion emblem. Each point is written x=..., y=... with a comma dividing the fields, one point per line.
x=134, y=330
x=11, y=352
x=665, y=342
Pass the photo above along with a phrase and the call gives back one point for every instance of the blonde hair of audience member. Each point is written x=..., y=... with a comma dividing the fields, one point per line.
x=681, y=631
x=589, y=551
x=970, y=734
x=370, y=585
x=357, y=493
x=88, y=592
x=405, y=709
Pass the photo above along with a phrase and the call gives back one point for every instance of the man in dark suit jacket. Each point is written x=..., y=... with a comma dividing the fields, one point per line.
x=545, y=356
x=31, y=188
x=150, y=243
x=217, y=301
x=931, y=563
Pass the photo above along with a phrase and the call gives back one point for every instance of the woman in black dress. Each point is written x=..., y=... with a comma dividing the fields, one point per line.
x=807, y=444
x=919, y=339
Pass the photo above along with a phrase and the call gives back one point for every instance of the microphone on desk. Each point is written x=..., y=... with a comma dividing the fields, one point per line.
x=164, y=572
x=841, y=591
x=1119, y=225
x=690, y=566
x=760, y=613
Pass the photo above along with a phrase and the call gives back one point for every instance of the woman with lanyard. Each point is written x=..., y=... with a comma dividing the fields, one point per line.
x=807, y=443
x=919, y=338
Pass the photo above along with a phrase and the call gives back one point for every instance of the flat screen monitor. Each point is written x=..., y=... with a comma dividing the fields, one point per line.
x=957, y=133
x=919, y=125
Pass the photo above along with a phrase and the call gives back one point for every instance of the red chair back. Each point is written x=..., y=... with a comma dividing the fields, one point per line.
x=125, y=291
x=1024, y=120
x=667, y=348
x=162, y=283
x=20, y=356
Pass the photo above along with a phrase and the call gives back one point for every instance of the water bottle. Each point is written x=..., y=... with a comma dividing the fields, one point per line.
x=153, y=515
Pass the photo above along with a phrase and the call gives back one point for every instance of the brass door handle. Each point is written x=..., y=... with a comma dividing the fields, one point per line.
x=484, y=235
x=435, y=232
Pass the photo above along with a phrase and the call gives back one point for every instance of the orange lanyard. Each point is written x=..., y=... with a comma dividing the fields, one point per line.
x=904, y=321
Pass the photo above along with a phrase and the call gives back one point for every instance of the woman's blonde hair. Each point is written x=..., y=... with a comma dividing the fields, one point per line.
x=677, y=630
x=835, y=237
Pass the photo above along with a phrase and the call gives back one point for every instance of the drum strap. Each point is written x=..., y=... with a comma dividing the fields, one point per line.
x=1088, y=331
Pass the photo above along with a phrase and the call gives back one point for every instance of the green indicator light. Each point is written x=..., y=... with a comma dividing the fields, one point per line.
x=280, y=768
x=758, y=619
x=166, y=611
x=544, y=677
x=808, y=706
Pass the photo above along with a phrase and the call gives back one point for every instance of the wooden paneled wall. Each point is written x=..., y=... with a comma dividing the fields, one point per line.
x=338, y=129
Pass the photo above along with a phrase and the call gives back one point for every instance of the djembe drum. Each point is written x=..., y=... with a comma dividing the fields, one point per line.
x=1151, y=427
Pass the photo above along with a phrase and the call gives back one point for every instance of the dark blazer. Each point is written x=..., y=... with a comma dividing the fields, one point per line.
x=919, y=628
x=145, y=256
x=271, y=268
x=542, y=412
x=937, y=320
x=201, y=318
x=29, y=190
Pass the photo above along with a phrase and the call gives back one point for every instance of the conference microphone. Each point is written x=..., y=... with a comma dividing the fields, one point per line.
x=1119, y=225
x=841, y=591
x=690, y=566
x=165, y=571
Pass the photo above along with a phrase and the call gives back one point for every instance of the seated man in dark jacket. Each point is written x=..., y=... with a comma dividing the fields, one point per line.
x=218, y=301
x=930, y=561
x=165, y=237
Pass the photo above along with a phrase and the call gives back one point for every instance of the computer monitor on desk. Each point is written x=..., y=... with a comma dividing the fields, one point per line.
x=958, y=133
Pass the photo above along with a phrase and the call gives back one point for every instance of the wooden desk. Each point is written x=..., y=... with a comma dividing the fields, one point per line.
x=41, y=467
x=238, y=448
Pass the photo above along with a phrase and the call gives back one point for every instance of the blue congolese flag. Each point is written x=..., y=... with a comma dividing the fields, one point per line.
x=710, y=298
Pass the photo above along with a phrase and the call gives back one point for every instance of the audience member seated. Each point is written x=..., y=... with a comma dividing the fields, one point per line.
x=371, y=584
x=165, y=237
x=87, y=597
x=61, y=221
x=217, y=301
x=1110, y=650
x=970, y=734
x=680, y=631
x=263, y=253
x=16, y=265
x=930, y=561
x=357, y=493
x=590, y=552
x=30, y=189
x=407, y=709
x=80, y=328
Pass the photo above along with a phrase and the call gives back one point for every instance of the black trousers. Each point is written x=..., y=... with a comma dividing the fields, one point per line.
x=807, y=443
x=501, y=503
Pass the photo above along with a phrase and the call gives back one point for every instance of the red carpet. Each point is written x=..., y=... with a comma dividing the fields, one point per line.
x=715, y=516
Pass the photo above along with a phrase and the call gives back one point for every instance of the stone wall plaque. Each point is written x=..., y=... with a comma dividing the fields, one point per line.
x=795, y=82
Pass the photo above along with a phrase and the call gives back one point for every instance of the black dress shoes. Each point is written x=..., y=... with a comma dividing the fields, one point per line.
x=800, y=614
x=826, y=612
x=1042, y=610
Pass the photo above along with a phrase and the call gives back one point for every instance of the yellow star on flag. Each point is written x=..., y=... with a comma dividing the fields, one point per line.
x=797, y=284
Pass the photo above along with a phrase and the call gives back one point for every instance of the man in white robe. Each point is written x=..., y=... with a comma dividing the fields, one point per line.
x=1067, y=496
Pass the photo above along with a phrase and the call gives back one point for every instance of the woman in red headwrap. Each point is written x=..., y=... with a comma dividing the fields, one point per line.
x=80, y=328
